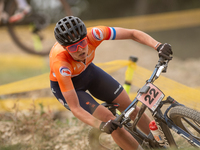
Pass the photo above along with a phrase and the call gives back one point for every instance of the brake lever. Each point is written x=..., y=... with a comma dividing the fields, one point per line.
x=161, y=60
x=162, y=67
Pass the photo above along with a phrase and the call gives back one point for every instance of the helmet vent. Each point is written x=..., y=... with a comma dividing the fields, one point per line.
x=81, y=28
x=72, y=33
x=68, y=25
x=73, y=22
x=62, y=27
x=77, y=31
x=78, y=20
x=64, y=19
x=58, y=31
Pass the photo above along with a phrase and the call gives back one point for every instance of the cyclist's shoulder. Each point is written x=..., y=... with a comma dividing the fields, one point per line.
x=57, y=51
x=57, y=47
x=97, y=34
x=59, y=54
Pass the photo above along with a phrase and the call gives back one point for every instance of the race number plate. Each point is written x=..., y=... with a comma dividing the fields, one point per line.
x=152, y=98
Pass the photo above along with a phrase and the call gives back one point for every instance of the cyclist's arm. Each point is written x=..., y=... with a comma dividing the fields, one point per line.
x=78, y=111
x=136, y=35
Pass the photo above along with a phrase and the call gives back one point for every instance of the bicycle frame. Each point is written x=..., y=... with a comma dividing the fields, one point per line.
x=163, y=122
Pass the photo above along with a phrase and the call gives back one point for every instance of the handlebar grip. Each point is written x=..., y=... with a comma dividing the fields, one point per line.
x=161, y=60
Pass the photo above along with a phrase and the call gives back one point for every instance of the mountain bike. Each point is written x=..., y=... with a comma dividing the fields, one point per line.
x=32, y=34
x=176, y=123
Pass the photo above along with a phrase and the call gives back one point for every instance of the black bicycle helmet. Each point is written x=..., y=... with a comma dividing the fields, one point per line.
x=69, y=30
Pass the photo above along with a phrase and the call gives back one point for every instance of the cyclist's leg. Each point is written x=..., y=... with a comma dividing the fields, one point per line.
x=86, y=101
x=55, y=89
x=124, y=101
x=106, y=88
x=120, y=136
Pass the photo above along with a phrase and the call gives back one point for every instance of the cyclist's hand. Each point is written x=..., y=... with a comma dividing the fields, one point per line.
x=165, y=50
x=109, y=126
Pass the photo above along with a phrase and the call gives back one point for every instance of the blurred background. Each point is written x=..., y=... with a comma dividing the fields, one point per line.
x=184, y=39
x=175, y=22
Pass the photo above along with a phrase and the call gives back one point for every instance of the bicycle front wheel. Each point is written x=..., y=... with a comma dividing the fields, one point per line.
x=187, y=119
x=32, y=34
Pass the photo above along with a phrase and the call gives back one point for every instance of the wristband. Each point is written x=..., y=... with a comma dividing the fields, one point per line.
x=157, y=45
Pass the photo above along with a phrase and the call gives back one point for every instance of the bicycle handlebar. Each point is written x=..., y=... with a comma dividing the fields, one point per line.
x=162, y=60
x=160, y=67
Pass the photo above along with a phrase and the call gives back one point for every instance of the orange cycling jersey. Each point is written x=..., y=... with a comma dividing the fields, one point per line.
x=63, y=67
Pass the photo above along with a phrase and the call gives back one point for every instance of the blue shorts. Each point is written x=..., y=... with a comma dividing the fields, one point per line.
x=99, y=84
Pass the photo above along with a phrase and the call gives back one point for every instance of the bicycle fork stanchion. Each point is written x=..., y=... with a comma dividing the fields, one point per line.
x=129, y=73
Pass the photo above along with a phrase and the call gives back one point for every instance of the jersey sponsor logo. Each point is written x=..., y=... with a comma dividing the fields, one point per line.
x=117, y=89
x=78, y=65
x=54, y=74
x=97, y=34
x=90, y=104
x=53, y=91
x=64, y=71
x=61, y=101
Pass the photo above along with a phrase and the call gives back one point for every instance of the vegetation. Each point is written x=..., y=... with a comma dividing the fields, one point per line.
x=40, y=130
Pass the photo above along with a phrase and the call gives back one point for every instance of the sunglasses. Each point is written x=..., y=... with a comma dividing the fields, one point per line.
x=74, y=47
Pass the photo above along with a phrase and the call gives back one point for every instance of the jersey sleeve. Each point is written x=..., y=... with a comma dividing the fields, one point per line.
x=100, y=33
x=63, y=74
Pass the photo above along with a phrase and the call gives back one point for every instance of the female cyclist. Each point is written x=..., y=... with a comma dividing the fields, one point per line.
x=72, y=74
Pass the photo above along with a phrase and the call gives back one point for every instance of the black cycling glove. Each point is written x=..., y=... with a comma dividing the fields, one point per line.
x=109, y=126
x=165, y=50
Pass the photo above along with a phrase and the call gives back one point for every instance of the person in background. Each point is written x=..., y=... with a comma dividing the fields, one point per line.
x=23, y=8
x=72, y=74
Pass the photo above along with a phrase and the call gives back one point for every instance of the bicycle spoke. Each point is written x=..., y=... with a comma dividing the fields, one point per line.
x=191, y=127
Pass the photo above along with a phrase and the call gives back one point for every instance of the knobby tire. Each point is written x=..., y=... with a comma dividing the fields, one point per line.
x=187, y=119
